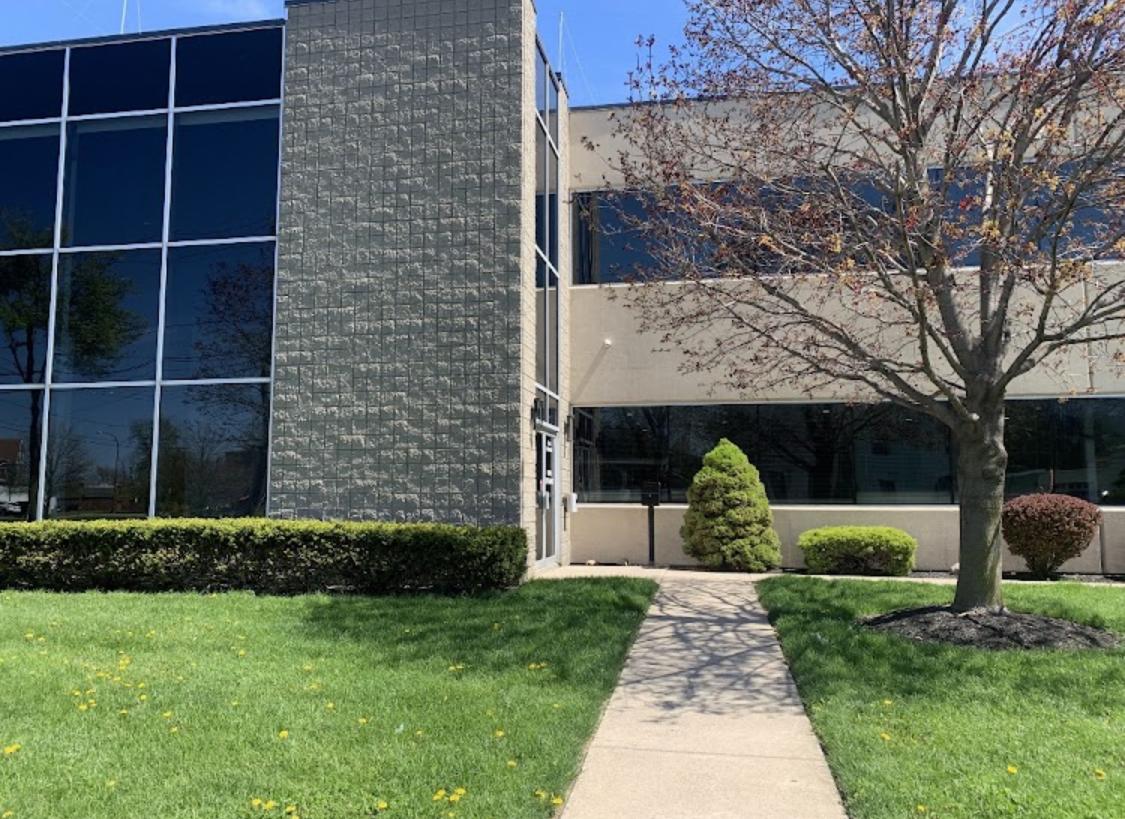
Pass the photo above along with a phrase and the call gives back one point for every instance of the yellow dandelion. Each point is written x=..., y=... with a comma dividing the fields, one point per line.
x=167, y=715
x=242, y=652
x=283, y=734
x=331, y=706
x=255, y=803
x=83, y=706
x=124, y=712
x=382, y=804
x=888, y=702
x=419, y=733
x=885, y=736
x=141, y=684
x=175, y=729
x=269, y=805
x=307, y=668
x=498, y=733
x=513, y=764
x=460, y=791
x=13, y=749
x=7, y=814
x=362, y=720
x=920, y=808
x=496, y=626
x=439, y=795
x=1099, y=774
x=540, y=794
x=556, y=800
x=290, y=809
x=556, y=705
x=111, y=783
x=234, y=703
x=1013, y=770
x=454, y=798
x=143, y=698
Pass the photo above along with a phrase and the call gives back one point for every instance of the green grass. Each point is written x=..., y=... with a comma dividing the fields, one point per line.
x=925, y=730
x=185, y=697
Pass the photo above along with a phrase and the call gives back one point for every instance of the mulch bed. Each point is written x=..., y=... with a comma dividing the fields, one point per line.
x=991, y=630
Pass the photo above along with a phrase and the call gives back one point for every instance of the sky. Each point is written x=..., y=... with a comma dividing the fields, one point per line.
x=597, y=35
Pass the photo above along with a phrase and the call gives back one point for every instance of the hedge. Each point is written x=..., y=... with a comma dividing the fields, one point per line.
x=266, y=556
x=1047, y=530
x=876, y=550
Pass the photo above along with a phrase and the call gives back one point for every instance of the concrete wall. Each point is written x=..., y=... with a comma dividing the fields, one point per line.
x=618, y=533
x=398, y=346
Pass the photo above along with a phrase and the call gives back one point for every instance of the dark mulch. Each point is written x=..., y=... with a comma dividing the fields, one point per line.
x=991, y=630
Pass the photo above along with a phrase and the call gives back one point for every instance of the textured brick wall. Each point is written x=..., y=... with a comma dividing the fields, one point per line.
x=397, y=391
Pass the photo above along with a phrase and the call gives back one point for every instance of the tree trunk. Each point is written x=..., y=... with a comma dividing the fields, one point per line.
x=982, y=462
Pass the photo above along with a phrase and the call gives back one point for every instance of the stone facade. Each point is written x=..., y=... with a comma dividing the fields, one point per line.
x=398, y=344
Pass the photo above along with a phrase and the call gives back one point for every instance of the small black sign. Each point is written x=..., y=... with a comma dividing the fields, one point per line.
x=650, y=494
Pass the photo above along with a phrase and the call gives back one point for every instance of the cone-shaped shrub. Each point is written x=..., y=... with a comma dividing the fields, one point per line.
x=728, y=524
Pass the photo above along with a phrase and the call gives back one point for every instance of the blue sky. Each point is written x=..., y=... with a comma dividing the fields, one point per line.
x=598, y=36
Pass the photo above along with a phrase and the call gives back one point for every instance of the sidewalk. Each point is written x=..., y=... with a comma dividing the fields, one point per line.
x=705, y=722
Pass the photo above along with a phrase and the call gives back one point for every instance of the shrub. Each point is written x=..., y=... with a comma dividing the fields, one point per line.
x=267, y=556
x=728, y=524
x=877, y=550
x=1048, y=530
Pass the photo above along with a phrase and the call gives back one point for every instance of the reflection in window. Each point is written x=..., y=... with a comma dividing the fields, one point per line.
x=541, y=189
x=114, y=182
x=99, y=444
x=218, y=431
x=25, y=306
x=32, y=85
x=120, y=77
x=20, y=417
x=219, y=314
x=29, y=169
x=607, y=246
x=224, y=181
x=236, y=67
x=107, y=316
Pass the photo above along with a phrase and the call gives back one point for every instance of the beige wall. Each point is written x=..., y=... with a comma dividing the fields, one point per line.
x=618, y=533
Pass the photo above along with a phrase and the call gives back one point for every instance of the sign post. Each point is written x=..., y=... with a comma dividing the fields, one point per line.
x=650, y=497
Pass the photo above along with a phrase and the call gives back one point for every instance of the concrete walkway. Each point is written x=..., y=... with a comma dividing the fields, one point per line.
x=705, y=721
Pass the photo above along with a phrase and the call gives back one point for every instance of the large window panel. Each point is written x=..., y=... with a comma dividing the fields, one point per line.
x=31, y=85
x=20, y=417
x=120, y=77
x=219, y=314
x=224, y=178
x=541, y=190
x=235, y=67
x=1110, y=451
x=29, y=170
x=99, y=445
x=107, y=310
x=25, y=308
x=608, y=247
x=115, y=181
x=218, y=431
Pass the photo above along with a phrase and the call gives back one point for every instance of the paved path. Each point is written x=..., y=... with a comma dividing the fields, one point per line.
x=705, y=722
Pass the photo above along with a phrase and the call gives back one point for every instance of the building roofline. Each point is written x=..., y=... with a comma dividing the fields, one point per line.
x=107, y=39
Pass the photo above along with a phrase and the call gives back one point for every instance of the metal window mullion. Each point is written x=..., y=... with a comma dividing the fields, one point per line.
x=154, y=455
x=42, y=251
x=144, y=112
x=48, y=367
x=229, y=106
x=276, y=267
x=237, y=240
x=110, y=248
x=28, y=123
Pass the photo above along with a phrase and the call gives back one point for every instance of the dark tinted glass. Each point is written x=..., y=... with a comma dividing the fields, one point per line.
x=29, y=170
x=99, y=442
x=224, y=182
x=541, y=190
x=31, y=85
x=219, y=432
x=19, y=452
x=114, y=182
x=607, y=245
x=1109, y=448
x=219, y=315
x=238, y=67
x=123, y=77
x=25, y=305
x=541, y=327
x=107, y=315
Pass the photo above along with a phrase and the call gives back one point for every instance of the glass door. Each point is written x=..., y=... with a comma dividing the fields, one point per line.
x=546, y=497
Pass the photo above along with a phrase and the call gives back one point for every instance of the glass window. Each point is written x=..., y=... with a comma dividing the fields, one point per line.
x=541, y=84
x=107, y=306
x=541, y=328
x=32, y=85
x=553, y=106
x=552, y=323
x=29, y=168
x=541, y=190
x=20, y=418
x=99, y=442
x=607, y=245
x=120, y=77
x=552, y=246
x=236, y=67
x=115, y=182
x=1109, y=447
x=224, y=181
x=218, y=431
x=219, y=316
x=25, y=307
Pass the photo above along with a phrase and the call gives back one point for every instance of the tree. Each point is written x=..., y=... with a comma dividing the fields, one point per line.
x=916, y=203
x=728, y=523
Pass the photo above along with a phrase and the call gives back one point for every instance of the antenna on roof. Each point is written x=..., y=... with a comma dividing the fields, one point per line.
x=560, y=53
x=124, y=13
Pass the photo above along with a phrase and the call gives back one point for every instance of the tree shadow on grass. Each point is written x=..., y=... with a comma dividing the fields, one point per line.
x=579, y=628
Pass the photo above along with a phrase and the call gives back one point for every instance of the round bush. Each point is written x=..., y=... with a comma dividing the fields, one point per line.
x=728, y=524
x=874, y=550
x=1048, y=530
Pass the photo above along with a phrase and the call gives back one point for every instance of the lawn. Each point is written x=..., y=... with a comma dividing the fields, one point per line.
x=924, y=730
x=127, y=705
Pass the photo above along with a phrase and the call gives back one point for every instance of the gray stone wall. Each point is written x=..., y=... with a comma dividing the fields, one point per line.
x=397, y=374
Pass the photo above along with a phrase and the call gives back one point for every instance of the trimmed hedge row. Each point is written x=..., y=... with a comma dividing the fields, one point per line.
x=266, y=556
x=877, y=550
